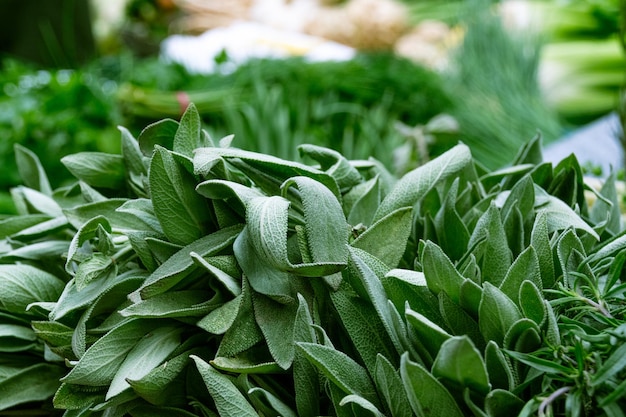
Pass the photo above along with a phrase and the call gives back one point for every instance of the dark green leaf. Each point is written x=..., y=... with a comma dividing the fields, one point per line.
x=459, y=361
x=276, y=322
x=387, y=381
x=427, y=396
x=30, y=384
x=524, y=268
x=228, y=400
x=364, y=328
x=496, y=314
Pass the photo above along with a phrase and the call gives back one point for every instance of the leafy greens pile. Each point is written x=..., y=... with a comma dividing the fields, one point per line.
x=187, y=277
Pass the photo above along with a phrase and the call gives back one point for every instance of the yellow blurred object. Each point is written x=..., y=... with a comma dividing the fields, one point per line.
x=362, y=24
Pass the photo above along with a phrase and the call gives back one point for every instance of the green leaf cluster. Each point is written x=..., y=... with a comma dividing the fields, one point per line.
x=189, y=277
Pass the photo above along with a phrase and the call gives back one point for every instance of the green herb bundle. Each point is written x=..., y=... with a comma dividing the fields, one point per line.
x=188, y=277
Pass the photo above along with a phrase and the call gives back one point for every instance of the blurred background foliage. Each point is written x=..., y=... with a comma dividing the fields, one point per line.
x=503, y=72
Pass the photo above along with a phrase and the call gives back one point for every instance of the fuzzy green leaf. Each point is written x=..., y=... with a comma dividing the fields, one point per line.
x=34, y=383
x=159, y=133
x=387, y=381
x=427, y=396
x=524, y=268
x=342, y=370
x=183, y=214
x=228, y=399
x=413, y=186
x=181, y=264
x=459, y=361
x=102, y=360
x=558, y=214
x=387, y=238
x=495, y=253
x=24, y=284
x=189, y=133
x=496, y=314
x=149, y=352
x=98, y=169
x=31, y=171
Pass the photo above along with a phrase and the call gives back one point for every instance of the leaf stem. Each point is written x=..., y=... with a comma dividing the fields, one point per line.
x=551, y=398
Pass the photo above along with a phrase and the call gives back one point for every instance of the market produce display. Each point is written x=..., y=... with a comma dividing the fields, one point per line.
x=345, y=213
x=228, y=282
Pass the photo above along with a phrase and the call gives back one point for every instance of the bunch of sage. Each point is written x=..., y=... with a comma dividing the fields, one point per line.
x=188, y=277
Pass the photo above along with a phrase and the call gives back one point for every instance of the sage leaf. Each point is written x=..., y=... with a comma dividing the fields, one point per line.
x=523, y=336
x=503, y=403
x=540, y=241
x=368, y=272
x=501, y=375
x=559, y=216
x=267, y=171
x=496, y=313
x=365, y=329
x=30, y=384
x=163, y=384
x=326, y=227
x=305, y=376
x=440, y=273
x=496, y=255
x=387, y=381
x=183, y=214
x=24, y=284
x=244, y=331
x=387, y=238
x=119, y=220
x=459, y=361
x=98, y=169
x=85, y=233
x=334, y=164
x=228, y=400
x=417, y=183
x=429, y=334
x=149, y=352
x=31, y=171
x=366, y=196
x=427, y=396
x=276, y=322
x=12, y=225
x=181, y=264
x=272, y=402
x=16, y=338
x=159, y=133
x=361, y=404
x=189, y=303
x=246, y=364
x=342, y=370
x=452, y=234
x=101, y=361
x=189, y=133
x=239, y=195
x=38, y=202
x=219, y=320
x=524, y=268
